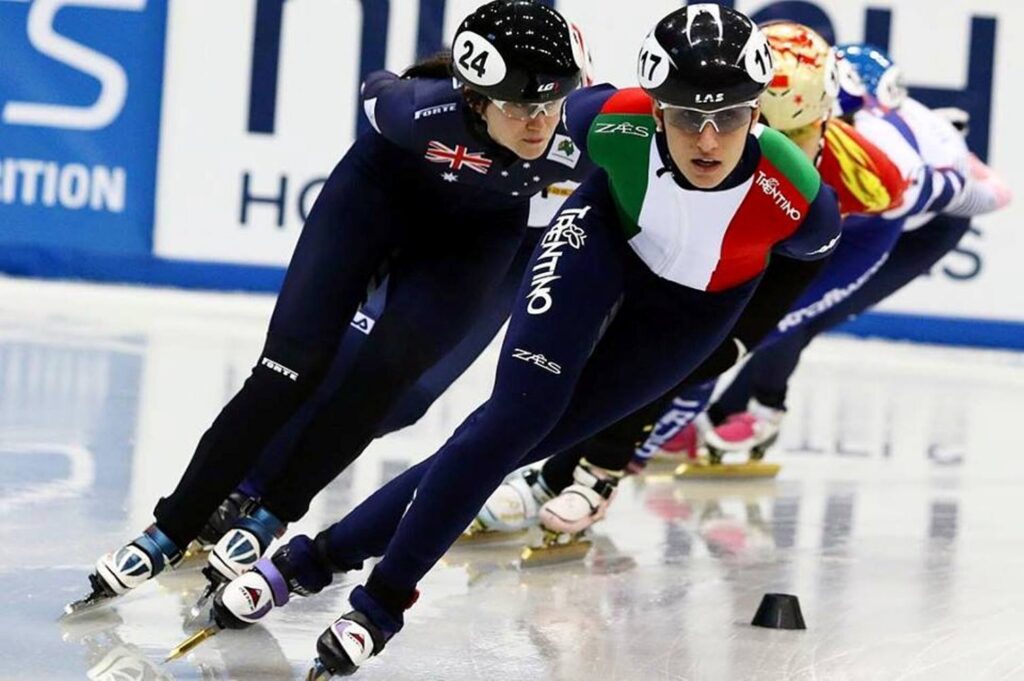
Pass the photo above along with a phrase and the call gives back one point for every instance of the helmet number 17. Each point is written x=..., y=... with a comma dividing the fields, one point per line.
x=647, y=58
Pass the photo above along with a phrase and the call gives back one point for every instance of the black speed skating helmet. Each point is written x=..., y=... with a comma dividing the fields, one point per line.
x=517, y=51
x=706, y=57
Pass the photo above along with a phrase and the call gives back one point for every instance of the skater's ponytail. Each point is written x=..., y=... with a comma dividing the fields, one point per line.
x=438, y=65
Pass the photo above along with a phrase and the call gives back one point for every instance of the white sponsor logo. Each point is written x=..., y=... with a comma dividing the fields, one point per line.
x=564, y=151
x=827, y=247
x=547, y=87
x=279, y=368
x=770, y=186
x=709, y=98
x=830, y=299
x=563, y=232
x=625, y=128
x=362, y=322
x=537, y=359
x=435, y=110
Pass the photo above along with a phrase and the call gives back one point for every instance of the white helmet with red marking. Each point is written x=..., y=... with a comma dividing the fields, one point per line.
x=806, y=82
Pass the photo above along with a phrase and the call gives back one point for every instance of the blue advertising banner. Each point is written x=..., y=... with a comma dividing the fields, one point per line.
x=80, y=92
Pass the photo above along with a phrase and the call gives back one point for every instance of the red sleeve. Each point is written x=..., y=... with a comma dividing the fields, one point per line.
x=864, y=178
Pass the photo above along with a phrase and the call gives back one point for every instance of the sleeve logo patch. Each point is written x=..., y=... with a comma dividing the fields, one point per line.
x=564, y=151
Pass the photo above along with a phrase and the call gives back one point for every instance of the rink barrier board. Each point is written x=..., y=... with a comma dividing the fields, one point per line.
x=145, y=270
x=174, y=209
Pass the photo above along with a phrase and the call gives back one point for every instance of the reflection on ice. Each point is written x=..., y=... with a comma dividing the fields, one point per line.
x=892, y=520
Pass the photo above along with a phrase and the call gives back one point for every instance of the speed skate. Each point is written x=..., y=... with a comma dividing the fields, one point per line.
x=710, y=464
x=556, y=547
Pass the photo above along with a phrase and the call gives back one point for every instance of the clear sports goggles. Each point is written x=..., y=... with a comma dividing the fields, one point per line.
x=523, y=111
x=693, y=121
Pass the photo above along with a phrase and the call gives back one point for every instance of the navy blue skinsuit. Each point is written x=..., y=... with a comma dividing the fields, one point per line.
x=446, y=208
x=587, y=360
x=414, y=403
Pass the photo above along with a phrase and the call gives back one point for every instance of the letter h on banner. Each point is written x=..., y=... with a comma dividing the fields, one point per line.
x=976, y=98
x=266, y=56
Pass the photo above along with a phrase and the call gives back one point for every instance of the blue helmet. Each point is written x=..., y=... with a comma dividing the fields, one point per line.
x=865, y=71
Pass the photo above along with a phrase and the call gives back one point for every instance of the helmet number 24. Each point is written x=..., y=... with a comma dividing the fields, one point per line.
x=478, y=63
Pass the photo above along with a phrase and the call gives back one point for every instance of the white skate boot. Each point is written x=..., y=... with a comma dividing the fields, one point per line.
x=244, y=544
x=237, y=551
x=118, y=572
x=240, y=603
x=568, y=516
x=299, y=567
x=511, y=509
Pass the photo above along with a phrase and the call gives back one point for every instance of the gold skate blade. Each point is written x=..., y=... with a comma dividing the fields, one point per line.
x=552, y=554
x=194, y=553
x=191, y=642
x=475, y=537
x=704, y=470
x=663, y=469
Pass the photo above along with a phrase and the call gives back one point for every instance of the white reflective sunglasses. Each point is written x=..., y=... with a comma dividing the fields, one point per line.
x=725, y=120
x=523, y=111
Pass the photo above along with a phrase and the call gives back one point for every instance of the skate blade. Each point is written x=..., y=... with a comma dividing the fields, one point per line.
x=318, y=672
x=201, y=607
x=193, y=554
x=83, y=606
x=191, y=642
x=552, y=554
x=474, y=536
x=750, y=469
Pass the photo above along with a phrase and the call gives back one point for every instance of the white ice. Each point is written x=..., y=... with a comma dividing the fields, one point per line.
x=896, y=520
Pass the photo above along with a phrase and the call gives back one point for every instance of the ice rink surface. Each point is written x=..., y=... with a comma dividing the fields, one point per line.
x=896, y=519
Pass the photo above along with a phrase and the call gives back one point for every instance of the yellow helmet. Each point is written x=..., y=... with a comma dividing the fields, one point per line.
x=806, y=81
